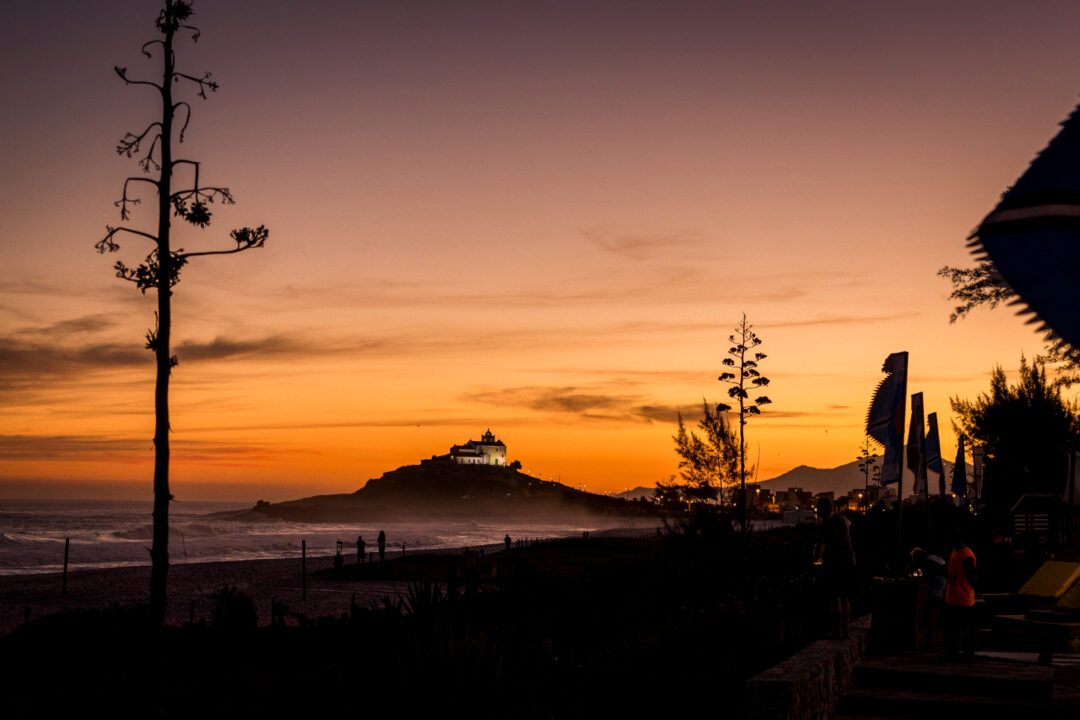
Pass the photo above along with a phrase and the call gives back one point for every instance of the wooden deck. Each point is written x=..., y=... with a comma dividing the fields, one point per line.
x=994, y=685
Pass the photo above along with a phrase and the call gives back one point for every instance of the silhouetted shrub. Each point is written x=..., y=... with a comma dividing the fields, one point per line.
x=233, y=609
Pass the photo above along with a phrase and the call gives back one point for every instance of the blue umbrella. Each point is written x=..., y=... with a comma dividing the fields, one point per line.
x=1032, y=237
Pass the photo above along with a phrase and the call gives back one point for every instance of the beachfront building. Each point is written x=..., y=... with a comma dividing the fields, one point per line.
x=487, y=451
x=796, y=497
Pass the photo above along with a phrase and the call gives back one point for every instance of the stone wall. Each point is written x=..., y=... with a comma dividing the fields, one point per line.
x=810, y=684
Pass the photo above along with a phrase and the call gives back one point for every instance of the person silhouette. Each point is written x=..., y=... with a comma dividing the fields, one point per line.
x=507, y=541
x=382, y=546
x=834, y=552
x=360, y=546
x=960, y=597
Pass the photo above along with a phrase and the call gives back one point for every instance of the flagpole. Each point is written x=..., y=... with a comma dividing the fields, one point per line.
x=916, y=448
x=926, y=495
x=935, y=448
x=900, y=469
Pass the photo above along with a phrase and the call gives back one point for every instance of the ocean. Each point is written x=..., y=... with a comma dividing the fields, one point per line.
x=116, y=533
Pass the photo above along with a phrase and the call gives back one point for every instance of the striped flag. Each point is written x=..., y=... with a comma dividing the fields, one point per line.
x=885, y=419
x=959, y=471
x=977, y=456
x=916, y=444
x=933, y=452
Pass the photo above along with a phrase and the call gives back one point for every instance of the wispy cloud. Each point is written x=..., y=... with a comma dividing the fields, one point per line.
x=606, y=402
x=18, y=357
x=67, y=447
x=640, y=246
x=74, y=448
x=418, y=421
x=585, y=402
x=221, y=347
x=840, y=320
x=63, y=328
x=636, y=376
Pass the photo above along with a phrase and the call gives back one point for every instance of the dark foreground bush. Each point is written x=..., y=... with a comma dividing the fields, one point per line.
x=568, y=629
x=232, y=609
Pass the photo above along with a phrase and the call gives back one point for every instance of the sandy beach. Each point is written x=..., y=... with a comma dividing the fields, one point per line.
x=191, y=585
x=34, y=596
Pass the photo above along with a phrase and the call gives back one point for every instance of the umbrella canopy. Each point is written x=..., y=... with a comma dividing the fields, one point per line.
x=1032, y=237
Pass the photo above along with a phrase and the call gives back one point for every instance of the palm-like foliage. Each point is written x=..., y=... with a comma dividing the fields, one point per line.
x=744, y=378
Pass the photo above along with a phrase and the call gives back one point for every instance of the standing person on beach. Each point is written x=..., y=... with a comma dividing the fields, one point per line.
x=960, y=598
x=360, y=547
x=837, y=557
x=506, y=540
x=934, y=572
x=382, y=545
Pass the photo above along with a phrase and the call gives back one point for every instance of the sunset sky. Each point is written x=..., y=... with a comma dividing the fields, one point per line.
x=543, y=218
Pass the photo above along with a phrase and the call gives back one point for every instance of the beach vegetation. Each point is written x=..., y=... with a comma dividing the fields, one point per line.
x=1026, y=428
x=982, y=286
x=745, y=379
x=707, y=462
x=176, y=185
x=232, y=608
x=869, y=467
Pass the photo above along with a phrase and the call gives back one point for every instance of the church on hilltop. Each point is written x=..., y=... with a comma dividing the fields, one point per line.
x=486, y=451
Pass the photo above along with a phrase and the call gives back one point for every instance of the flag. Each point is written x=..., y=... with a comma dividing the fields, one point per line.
x=959, y=471
x=885, y=419
x=916, y=444
x=933, y=452
x=1032, y=237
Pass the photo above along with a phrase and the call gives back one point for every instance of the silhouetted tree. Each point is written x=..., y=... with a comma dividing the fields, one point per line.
x=705, y=463
x=160, y=269
x=982, y=286
x=745, y=380
x=1026, y=429
x=975, y=287
x=868, y=466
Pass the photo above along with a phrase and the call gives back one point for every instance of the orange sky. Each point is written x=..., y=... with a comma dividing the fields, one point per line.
x=542, y=218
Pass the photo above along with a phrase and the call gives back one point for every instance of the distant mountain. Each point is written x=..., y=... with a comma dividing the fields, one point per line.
x=447, y=489
x=841, y=479
x=639, y=492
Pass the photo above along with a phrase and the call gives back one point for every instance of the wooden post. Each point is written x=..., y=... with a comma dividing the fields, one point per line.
x=303, y=569
x=402, y=551
x=63, y=585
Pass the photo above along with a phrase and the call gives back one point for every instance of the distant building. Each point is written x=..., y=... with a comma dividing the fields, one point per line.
x=488, y=450
x=794, y=497
x=763, y=497
x=881, y=493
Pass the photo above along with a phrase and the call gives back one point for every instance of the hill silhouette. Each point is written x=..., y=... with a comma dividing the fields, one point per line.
x=843, y=478
x=447, y=489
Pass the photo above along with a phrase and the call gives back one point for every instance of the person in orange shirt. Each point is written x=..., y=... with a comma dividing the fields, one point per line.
x=960, y=599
